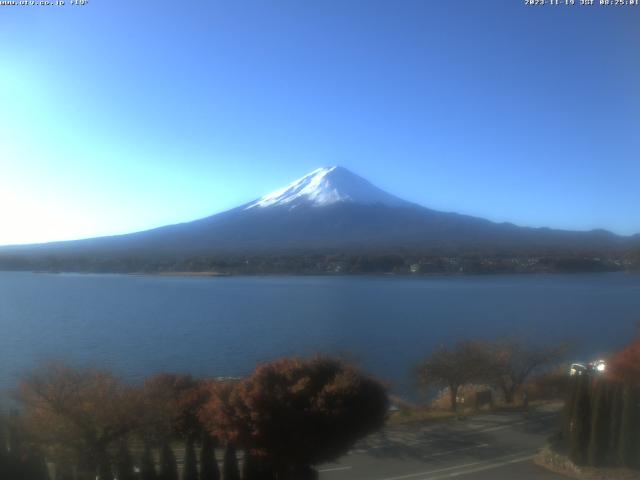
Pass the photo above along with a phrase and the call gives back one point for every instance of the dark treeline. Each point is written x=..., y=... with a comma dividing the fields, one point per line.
x=286, y=417
x=336, y=263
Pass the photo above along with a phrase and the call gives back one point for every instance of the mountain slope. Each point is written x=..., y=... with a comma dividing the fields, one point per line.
x=330, y=210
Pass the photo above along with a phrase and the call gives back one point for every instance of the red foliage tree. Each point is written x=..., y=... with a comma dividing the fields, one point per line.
x=173, y=402
x=455, y=366
x=625, y=365
x=294, y=413
x=79, y=413
x=218, y=415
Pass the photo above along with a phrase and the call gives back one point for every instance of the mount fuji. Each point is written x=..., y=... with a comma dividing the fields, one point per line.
x=326, y=186
x=330, y=210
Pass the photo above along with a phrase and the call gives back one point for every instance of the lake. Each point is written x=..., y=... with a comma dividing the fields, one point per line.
x=139, y=325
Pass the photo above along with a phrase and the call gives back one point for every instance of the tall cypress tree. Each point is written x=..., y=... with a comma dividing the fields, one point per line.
x=124, y=463
x=168, y=464
x=209, y=469
x=38, y=465
x=600, y=423
x=105, y=472
x=4, y=455
x=147, y=465
x=64, y=471
x=255, y=468
x=629, y=425
x=190, y=469
x=14, y=438
x=15, y=465
x=579, y=428
x=250, y=467
x=569, y=405
x=304, y=473
x=230, y=467
x=615, y=417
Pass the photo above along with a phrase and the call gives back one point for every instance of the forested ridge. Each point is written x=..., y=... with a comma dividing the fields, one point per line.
x=315, y=263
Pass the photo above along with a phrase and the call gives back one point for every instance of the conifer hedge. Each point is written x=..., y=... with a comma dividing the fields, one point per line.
x=602, y=420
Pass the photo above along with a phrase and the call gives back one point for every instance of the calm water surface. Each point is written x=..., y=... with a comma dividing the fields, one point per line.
x=223, y=326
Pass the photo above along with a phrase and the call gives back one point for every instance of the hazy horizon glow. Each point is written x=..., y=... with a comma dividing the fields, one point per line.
x=118, y=117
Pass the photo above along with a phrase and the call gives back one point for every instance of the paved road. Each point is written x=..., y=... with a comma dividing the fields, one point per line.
x=486, y=447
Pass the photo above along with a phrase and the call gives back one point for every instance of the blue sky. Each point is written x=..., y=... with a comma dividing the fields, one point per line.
x=120, y=116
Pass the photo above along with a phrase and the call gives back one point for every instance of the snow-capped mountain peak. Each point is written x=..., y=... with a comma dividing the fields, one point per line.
x=326, y=186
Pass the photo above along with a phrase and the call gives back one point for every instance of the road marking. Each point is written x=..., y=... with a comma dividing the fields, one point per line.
x=361, y=451
x=486, y=467
x=334, y=469
x=483, y=429
x=454, y=467
x=449, y=452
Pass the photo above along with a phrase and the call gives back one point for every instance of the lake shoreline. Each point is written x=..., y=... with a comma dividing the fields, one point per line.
x=215, y=274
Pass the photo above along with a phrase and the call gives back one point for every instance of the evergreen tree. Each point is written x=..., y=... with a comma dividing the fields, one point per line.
x=124, y=463
x=15, y=466
x=254, y=468
x=303, y=473
x=250, y=470
x=64, y=471
x=147, y=465
x=168, y=464
x=38, y=465
x=600, y=420
x=569, y=405
x=580, y=422
x=209, y=469
x=14, y=437
x=4, y=454
x=615, y=425
x=629, y=425
x=190, y=469
x=105, y=472
x=230, y=466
